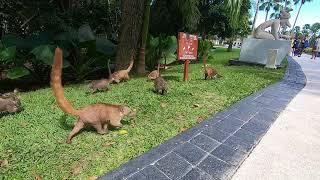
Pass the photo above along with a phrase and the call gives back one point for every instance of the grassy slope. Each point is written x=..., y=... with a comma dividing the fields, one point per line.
x=33, y=141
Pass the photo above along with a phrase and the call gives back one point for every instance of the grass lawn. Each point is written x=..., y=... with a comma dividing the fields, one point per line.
x=33, y=141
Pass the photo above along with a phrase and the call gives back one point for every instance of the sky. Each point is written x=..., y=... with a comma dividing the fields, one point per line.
x=309, y=14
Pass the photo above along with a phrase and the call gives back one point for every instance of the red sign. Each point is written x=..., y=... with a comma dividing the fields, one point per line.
x=188, y=46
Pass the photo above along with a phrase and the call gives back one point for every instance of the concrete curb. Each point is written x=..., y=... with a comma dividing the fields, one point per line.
x=215, y=148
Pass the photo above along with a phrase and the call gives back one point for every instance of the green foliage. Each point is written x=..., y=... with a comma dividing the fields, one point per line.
x=203, y=48
x=7, y=54
x=160, y=49
x=17, y=72
x=33, y=141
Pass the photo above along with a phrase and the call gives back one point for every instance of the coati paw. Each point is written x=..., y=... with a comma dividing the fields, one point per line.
x=68, y=141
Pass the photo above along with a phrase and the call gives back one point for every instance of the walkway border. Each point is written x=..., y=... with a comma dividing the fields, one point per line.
x=215, y=148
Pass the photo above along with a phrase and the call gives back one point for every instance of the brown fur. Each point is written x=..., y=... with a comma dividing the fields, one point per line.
x=10, y=103
x=211, y=73
x=155, y=73
x=160, y=85
x=102, y=84
x=99, y=115
x=123, y=75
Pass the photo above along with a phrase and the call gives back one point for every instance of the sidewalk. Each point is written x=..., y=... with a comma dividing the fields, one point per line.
x=291, y=148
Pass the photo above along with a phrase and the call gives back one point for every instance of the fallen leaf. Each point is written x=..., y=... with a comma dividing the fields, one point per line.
x=163, y=105
x=196, y=105
x=200, y=119
x=109, y=144
x=92, y=178
x=76, y=169
x=4, y=163
x=183, y=129
x=37, y=177
x=123, y=132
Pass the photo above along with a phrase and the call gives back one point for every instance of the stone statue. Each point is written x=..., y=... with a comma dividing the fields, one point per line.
x=260, y=32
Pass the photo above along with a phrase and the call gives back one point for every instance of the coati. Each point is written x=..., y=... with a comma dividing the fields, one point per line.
x=160, y=85
x=10, y=103
x=155, y=73
x=209, y=72
x=121, y=75
x=99, y=115
x=102, y=84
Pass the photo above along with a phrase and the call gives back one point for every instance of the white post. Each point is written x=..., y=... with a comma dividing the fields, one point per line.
x=272, y=57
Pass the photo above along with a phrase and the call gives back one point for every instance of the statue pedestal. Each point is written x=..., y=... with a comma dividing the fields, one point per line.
x=256, y=50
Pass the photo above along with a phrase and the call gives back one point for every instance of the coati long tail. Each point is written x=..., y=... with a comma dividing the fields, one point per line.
x=56, y=84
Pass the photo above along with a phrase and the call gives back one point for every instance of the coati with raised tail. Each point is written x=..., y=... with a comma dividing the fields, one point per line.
x=102, y=84
x=99, y=115
x=155, y=73
x=123, y=75
x=209, y=72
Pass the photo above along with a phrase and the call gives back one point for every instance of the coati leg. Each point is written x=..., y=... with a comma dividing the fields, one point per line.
x=205, y=76
x=77, y=127
x=99, y=129
x=162, y=92
x=105, y=127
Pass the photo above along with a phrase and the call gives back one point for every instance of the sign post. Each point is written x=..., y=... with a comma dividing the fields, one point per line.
x=187, y=50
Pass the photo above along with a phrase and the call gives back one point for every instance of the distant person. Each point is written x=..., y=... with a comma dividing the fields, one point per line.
x=316, y=48
x=301, y=46
x=295, y=46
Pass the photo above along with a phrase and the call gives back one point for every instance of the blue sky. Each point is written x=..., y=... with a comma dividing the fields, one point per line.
x=310, y=13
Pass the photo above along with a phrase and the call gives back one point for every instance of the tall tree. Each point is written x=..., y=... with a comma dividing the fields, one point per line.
x=144, y=35
x=266, y=6
x=255, y=15
x=130, y=31
x=301, y=4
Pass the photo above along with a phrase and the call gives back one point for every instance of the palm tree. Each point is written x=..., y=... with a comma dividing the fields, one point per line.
x=301, y=3
x=255, y=15
x=266, y=6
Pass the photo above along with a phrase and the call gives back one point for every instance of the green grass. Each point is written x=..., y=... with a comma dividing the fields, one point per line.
x=33, y=141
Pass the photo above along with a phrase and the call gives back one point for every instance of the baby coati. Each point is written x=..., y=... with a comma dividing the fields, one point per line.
x=102, y=84
x=121, y=75
x=155, y=73
x=10, y=103
x=210, y=73
x=160, y=85
x=99, y=115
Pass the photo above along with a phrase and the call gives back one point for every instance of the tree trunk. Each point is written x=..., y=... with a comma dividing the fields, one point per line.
x=295, y=21
x=230, y=43
x=130, y=31
x=144, y=36
x=255, y=16
x=267, y=13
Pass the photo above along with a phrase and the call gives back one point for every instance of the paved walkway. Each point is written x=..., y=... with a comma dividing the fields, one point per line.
x=291, y=148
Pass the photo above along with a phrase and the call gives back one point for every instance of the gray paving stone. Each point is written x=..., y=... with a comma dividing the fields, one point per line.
x=230, y=124
x=173, y=166
x=229, y=155
x=197, y=174
x=148, y=173
x=265, y=116
x=246, y=112
x=255, y=127
x=216, y=134
x=238, y=144
x=191, y=153
x=217, y=168
x=246, y=136
x=205, y=143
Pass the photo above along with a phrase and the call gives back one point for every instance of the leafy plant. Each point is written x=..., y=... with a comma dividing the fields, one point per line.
x=161, y=49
